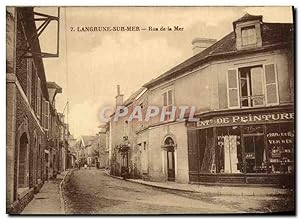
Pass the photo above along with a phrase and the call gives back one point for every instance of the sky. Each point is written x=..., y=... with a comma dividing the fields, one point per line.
x=91, y=64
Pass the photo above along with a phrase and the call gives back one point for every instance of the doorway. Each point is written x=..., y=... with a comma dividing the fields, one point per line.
x=169, y=144
x=23, y=163
x=255, y=155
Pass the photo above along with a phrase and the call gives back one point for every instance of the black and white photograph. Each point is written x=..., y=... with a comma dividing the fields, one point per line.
x=150, y=110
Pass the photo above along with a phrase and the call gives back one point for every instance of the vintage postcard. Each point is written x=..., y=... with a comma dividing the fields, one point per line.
x=150, y=110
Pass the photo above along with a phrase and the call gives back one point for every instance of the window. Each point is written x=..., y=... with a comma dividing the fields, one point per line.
x=281, y=145
x=229, y=150
x=206, y=151
x=45, y=114
x=248, y=35
x=29, y=77
x=34, y=86
x=252, y=86
x=168, y=98
x=168, y=101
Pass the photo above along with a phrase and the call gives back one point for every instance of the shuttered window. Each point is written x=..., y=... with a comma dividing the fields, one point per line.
x=46, y=115
x=29, y=77
x=248, y=35
x=168, y=98
x=233, y=89
x=38, y=98
x=271, y=86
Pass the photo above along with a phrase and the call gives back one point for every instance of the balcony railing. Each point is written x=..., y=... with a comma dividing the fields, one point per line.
x=254, y=100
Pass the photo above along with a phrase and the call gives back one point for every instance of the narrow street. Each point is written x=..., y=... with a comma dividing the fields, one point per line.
x=93, y=192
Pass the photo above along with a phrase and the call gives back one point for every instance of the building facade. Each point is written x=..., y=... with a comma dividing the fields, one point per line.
x=242, y=90
x=28, y=108
x=26, y=96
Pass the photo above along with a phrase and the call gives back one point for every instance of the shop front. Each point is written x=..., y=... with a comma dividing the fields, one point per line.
x=243, y=147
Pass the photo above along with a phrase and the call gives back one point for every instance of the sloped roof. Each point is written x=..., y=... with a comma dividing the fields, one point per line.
x=248, y=17
x=54, y=85
x=30, y=29
x=273, y=34
x=133, y=96
x=88, y=140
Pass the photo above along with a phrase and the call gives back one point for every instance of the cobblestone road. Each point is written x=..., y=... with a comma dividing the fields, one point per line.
x=93, y=192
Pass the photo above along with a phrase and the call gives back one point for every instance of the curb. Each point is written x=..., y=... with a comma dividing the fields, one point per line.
x=62, y=202
x=193, y=191
x=116, y=177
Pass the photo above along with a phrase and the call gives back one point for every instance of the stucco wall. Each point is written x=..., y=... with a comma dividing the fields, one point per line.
x=157, y=156
x=219, y=69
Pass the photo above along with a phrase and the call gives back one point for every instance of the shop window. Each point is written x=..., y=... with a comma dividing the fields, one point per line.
x=280, y=139
x=207, y=151
x=229, y=150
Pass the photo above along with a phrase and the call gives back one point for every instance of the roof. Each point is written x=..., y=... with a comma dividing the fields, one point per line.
x=248, y=17
x=30, y=29
x=273, y=34
x=88, y=140
x=134, y=96
x=54, y=85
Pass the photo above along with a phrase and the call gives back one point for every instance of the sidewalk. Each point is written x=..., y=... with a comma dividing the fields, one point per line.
x=49, y=199
x=213, y=189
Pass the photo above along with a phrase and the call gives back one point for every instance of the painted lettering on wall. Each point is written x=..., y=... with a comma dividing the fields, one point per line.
x=250, y=118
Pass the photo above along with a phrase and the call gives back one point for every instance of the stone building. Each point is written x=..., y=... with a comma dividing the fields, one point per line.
x=242, y=88
x=28, y=110
x=123, y=135
x=26, y=94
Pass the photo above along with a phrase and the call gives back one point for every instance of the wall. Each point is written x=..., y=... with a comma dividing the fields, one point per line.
x=219, y=69
x=157, y=156
x=208, y=82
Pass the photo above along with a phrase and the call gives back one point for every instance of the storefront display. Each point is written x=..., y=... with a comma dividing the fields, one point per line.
x=242, y=152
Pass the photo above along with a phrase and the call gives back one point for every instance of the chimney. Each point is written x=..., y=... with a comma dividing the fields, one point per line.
x=200, y=44
x=119, y=97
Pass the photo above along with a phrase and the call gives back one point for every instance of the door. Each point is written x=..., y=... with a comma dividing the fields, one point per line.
x=171, y=164
x=255, y=155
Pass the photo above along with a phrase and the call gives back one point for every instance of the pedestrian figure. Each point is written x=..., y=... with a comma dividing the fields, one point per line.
x=124, y=172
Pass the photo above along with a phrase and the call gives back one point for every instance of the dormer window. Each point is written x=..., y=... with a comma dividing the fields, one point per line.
x=248, y=32
x=248, y=35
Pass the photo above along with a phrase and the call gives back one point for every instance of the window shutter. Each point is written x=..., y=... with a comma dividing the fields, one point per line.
x=233, y=89
x=257, y=86
x=170, y=97
x=43, y=112
x=271, y=86
x=39, y=98
x=29, y=76
x=46, y=115
x=165, y=99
